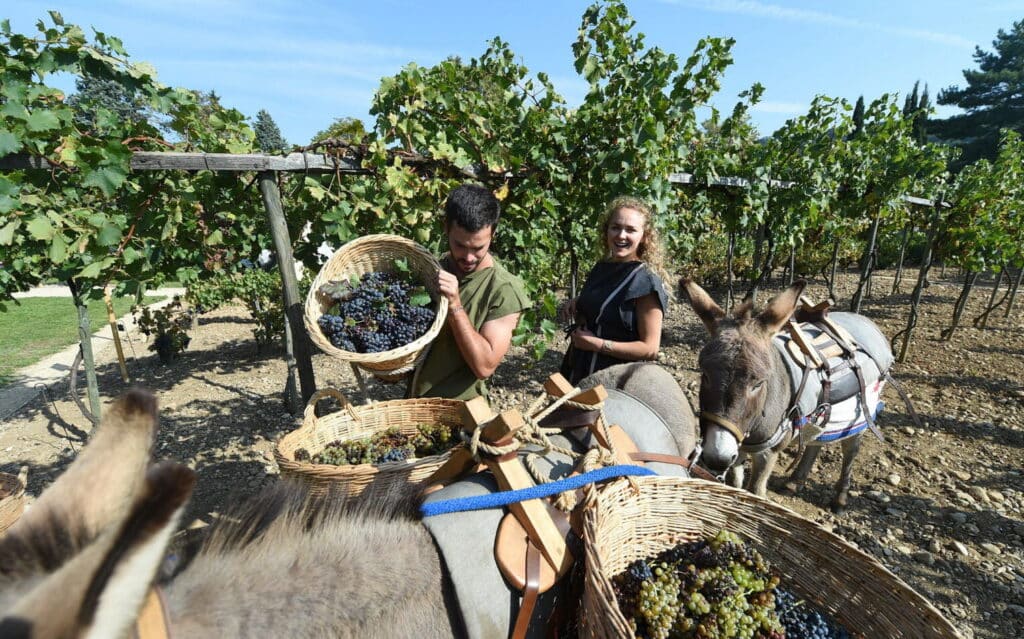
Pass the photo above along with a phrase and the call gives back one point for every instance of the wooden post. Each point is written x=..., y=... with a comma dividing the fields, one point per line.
x=298, y=357
x=85, y=339
x=115, y=335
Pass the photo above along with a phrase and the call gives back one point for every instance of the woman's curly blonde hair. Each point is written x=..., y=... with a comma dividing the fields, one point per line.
x=649, y=251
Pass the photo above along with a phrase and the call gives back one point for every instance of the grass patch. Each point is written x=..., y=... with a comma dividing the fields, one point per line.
x=41, y=326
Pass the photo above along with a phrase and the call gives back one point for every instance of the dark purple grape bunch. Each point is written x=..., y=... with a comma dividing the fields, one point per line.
x=377, y=312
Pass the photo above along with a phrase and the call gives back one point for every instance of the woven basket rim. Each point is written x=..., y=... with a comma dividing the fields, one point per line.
x=353, y=414
x=397, y=360
x=734, y=506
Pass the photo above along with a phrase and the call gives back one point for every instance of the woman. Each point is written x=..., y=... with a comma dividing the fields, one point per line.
x=620, y=309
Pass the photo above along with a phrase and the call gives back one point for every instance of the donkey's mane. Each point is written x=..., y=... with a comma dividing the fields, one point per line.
x=285, y=510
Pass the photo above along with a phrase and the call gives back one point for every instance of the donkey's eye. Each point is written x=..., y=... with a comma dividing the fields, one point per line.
x=756, y=386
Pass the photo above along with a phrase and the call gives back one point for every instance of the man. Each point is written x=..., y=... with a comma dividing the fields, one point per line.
x=484, y=302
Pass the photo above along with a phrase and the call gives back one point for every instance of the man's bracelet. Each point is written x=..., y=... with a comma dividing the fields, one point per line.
x=455, y=309
x=606, y=346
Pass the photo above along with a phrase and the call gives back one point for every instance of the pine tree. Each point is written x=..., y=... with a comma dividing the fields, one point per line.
x=268, y=135
x=993, y=98
x=93, y=94
x=858, y=117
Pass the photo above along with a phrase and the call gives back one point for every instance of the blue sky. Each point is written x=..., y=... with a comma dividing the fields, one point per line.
x=308, y=63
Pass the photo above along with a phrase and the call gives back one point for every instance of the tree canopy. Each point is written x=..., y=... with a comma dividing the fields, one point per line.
x=268, y=135
x=993, y=98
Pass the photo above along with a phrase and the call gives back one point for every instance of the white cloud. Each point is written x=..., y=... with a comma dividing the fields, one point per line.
x=766, y=10
x=785, y=108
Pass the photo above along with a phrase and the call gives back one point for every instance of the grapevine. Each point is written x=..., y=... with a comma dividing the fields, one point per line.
x=378, y=312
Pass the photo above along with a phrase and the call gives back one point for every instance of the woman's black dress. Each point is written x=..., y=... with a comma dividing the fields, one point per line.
x=607, y=306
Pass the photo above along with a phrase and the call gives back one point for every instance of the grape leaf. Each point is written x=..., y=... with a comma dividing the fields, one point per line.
x=402, y=266
x=42, y=121
x=40, y=228
x=419, y=297
x=8, y=143
x=339, y=290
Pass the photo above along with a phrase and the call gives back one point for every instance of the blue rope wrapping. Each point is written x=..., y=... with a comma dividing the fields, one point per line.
x=494, y=500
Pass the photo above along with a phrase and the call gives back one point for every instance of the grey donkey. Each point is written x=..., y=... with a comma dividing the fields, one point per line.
x=745, y=382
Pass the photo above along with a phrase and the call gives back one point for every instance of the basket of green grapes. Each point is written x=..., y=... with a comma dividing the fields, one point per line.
x=381, y=451
x=673, y=557
x=375, y=304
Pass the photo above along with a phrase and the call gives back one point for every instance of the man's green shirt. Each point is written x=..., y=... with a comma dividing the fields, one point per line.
x=486, y=295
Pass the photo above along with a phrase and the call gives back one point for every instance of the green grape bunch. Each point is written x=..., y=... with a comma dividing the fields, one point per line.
x=391, y=445
x=706, y=589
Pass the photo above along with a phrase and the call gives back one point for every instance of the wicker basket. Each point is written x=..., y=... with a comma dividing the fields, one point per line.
x=12, y=499
x=848, y=584
x=391, y=480
x=362, y=256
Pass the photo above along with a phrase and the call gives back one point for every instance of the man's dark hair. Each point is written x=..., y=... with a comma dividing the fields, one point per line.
x=472, y=207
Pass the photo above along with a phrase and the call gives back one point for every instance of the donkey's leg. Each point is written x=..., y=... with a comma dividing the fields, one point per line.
x=761, y=469
x=803, y=468
x=851, y=446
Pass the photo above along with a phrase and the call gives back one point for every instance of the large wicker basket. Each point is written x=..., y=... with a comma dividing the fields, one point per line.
x=848, y=584
x=389, y=481
x=12, y=499
x=362, y=256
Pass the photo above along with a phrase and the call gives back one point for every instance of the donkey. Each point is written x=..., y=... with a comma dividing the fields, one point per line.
x=82, y=560
x=87, y=559
x=747, y=395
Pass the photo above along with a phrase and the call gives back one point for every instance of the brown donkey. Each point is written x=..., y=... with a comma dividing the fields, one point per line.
x=82, y=560
x=746, y=394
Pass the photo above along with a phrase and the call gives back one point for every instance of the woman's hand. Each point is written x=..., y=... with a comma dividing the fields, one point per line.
x=567, y=313
x=585, y=340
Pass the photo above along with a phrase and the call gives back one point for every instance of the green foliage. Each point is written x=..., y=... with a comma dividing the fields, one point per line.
x=89, y=219
x=268, y=135
x=258, y=290
x=169, y=327
x=983, y=228
x=348, y=129
x=991, y=98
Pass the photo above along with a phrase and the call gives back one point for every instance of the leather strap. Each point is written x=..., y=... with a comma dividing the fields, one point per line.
x=662, y=458
x=529, y=593
x=153, y=622
x=905, y=398
x=724, y=423
x=568, y=417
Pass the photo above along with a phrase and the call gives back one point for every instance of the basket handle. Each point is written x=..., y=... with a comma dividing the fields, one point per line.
x=309, y=415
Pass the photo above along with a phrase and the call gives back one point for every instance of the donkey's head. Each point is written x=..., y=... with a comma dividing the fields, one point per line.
x=79, y=563
x=736, y=366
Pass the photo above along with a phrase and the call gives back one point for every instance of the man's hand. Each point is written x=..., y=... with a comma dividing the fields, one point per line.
x=586, y=340
x=448, y=285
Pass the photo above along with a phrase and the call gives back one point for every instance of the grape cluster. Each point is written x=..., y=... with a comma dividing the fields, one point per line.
x=391, y=445
x=707, y=589
x=377, y=312
x=802, y=621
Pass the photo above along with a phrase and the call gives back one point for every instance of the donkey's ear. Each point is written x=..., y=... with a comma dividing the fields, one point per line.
x=102, y=589
x=781, y=308
x=705, y=307
x=102, y=481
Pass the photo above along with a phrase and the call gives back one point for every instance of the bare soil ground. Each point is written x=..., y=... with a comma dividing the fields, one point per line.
x=941, y=505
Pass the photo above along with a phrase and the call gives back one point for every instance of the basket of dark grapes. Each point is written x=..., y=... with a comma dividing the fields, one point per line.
x=375, y=304
x=12, y=497
x=673, y=557
x=380, y=451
